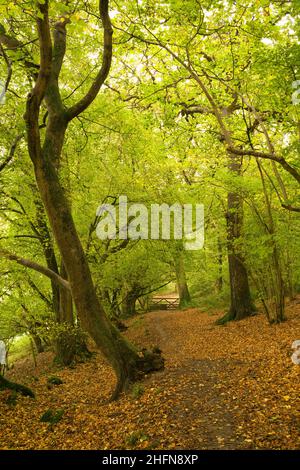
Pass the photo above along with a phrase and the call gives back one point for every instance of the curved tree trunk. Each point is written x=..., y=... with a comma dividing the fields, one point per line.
x=45, y=158
x=124, y=358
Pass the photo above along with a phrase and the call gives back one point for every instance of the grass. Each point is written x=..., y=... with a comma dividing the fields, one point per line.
x=211, y=301
x=137, y=390
x=138, y=321
x=19, y=349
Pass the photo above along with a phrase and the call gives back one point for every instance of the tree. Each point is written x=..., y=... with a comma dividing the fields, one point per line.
x=219, y=57
x=45, y=154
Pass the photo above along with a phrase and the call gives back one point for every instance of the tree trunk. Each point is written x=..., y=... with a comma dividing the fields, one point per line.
x=66, y=314
x=277, y=294
x=123, y=356
x=182, y=287
x=38, y=342
x=241, y=305
x=115, y=303
x=219, y=282
x=70, y=344
x=128, y=304
x=48, y=248
x=277, y=314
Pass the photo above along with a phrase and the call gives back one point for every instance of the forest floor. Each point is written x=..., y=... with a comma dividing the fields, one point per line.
x=224, y=387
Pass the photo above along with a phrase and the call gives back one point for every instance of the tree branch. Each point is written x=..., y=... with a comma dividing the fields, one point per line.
x=9, y=73
x=83, y=104
x=37, y=94
x=290, y=208
x=12, y=44
x=52, y=97
x=11, y=152
x=36, y=267
x=268, y=156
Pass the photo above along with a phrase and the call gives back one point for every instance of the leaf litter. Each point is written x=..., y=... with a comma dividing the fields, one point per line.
x=224, y=387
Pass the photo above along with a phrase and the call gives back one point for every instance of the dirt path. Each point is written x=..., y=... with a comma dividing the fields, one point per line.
x=232, y=386
x=200, y=412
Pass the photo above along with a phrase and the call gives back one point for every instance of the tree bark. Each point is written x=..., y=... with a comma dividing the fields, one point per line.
x=219, y=281
x=241, y=303
x=48, y=249
x=66, y=314
x=277, y=294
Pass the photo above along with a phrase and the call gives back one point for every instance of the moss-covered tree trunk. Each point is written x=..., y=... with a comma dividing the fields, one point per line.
x=241, y=304
x=124, y=358
x=45, y=156
x=220, y=281
x=66, y=314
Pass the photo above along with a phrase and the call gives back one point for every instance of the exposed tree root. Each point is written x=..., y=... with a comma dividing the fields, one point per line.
x=147, y=361
x=231, y=315
x=6, y=384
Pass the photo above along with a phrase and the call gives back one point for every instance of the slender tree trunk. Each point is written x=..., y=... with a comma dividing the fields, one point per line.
x=219, y=282
x=38, y=343
x=114, y=311
x=128, y=304
x=181, y=282
x=69, y=344
x=277, y=295
x=115, y=302
x=66, y=314
x=278, y=314
x=48, y=248
x=290, y=264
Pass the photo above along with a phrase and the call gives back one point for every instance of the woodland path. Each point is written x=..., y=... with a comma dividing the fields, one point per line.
x=200, y=414
x=232, y=386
